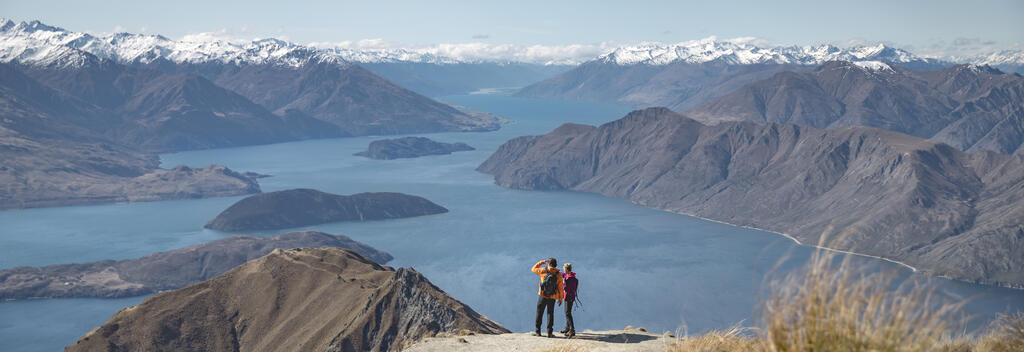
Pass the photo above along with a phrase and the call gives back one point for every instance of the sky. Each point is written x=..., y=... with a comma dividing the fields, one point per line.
x=937, y=27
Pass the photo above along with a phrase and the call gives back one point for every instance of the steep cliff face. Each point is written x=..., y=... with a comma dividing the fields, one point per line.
x=867, y=190
x=322, y=299
x=161, y=271
x=301, y=207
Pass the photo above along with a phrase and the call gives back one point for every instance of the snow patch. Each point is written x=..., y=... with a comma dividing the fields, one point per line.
x=873, y=65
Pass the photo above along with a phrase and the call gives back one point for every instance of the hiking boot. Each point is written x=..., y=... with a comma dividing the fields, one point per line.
x=537, y=333
x=551, y=334
x=564, y=331
x=571, y=335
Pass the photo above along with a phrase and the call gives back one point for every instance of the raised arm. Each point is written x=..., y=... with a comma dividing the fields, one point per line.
x=539, y=268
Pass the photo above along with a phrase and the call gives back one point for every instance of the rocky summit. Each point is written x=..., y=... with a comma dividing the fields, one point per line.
x=161, y=271
x=303, y=207
x=320, y=299
x=410, y=147
x=867, y=190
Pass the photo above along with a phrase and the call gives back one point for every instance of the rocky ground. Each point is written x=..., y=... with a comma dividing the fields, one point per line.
x=608, y=340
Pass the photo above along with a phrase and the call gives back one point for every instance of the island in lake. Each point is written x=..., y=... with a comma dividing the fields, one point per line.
x=161, y=271
x=303, y=207
x=410, y=147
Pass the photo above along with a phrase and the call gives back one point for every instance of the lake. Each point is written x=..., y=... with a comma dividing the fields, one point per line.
x=636, y=266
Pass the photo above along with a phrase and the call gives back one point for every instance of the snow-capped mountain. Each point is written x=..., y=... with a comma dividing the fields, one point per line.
x=743, y=51
x=36, y=43
x=425, y=70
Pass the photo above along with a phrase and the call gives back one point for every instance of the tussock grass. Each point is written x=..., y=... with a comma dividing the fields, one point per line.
x=717, y=341
x=1005, y=335
x=832, y=307
x=565, y=347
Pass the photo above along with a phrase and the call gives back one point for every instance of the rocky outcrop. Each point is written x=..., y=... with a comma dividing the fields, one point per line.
x=966, y=106
x=161, y=271
x=410, y=147
x=867, y=190
x=321, y=299
x=303, y=207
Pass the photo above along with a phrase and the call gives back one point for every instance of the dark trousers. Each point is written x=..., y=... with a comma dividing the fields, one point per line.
x=569, y=325
x=549, y=304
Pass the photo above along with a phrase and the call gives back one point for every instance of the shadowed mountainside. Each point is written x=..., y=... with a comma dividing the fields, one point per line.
x=968, y=107
x=161, y=271
x=323, y=299
x=867, y=190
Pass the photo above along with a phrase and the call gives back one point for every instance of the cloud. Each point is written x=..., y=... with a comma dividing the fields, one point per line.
x=481, y=36
x=231, y=35
x=966, y=41
x=119, y=29
x=962, y=49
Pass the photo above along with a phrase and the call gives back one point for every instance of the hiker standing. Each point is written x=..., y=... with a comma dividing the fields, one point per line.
x=552, y=288
x=569, y=277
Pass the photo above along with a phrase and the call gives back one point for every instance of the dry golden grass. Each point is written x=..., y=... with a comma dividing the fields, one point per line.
x=1005, y=335
x=832, y=307
x=718, y=341
x=565, y=347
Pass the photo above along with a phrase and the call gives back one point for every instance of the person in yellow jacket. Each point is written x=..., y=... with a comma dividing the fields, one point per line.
x=552, y=288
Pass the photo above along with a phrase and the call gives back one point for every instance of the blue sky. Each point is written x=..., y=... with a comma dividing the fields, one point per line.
x=920, y=25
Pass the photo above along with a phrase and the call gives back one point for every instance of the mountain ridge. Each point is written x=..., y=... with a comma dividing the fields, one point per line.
x=967, y=106
x=327, y=299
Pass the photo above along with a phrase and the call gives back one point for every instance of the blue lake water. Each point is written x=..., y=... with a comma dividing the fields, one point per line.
x=637, y=266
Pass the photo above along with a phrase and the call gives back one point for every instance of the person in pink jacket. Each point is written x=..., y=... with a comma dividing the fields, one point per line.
x=569, y=277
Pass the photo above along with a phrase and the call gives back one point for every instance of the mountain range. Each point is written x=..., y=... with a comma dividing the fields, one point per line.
x=221, y=94
x=683, y=75
x=861, y=189
x=969, y=107
x=80, y=115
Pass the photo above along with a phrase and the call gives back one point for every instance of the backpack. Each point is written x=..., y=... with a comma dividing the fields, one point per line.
x=549, y=286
